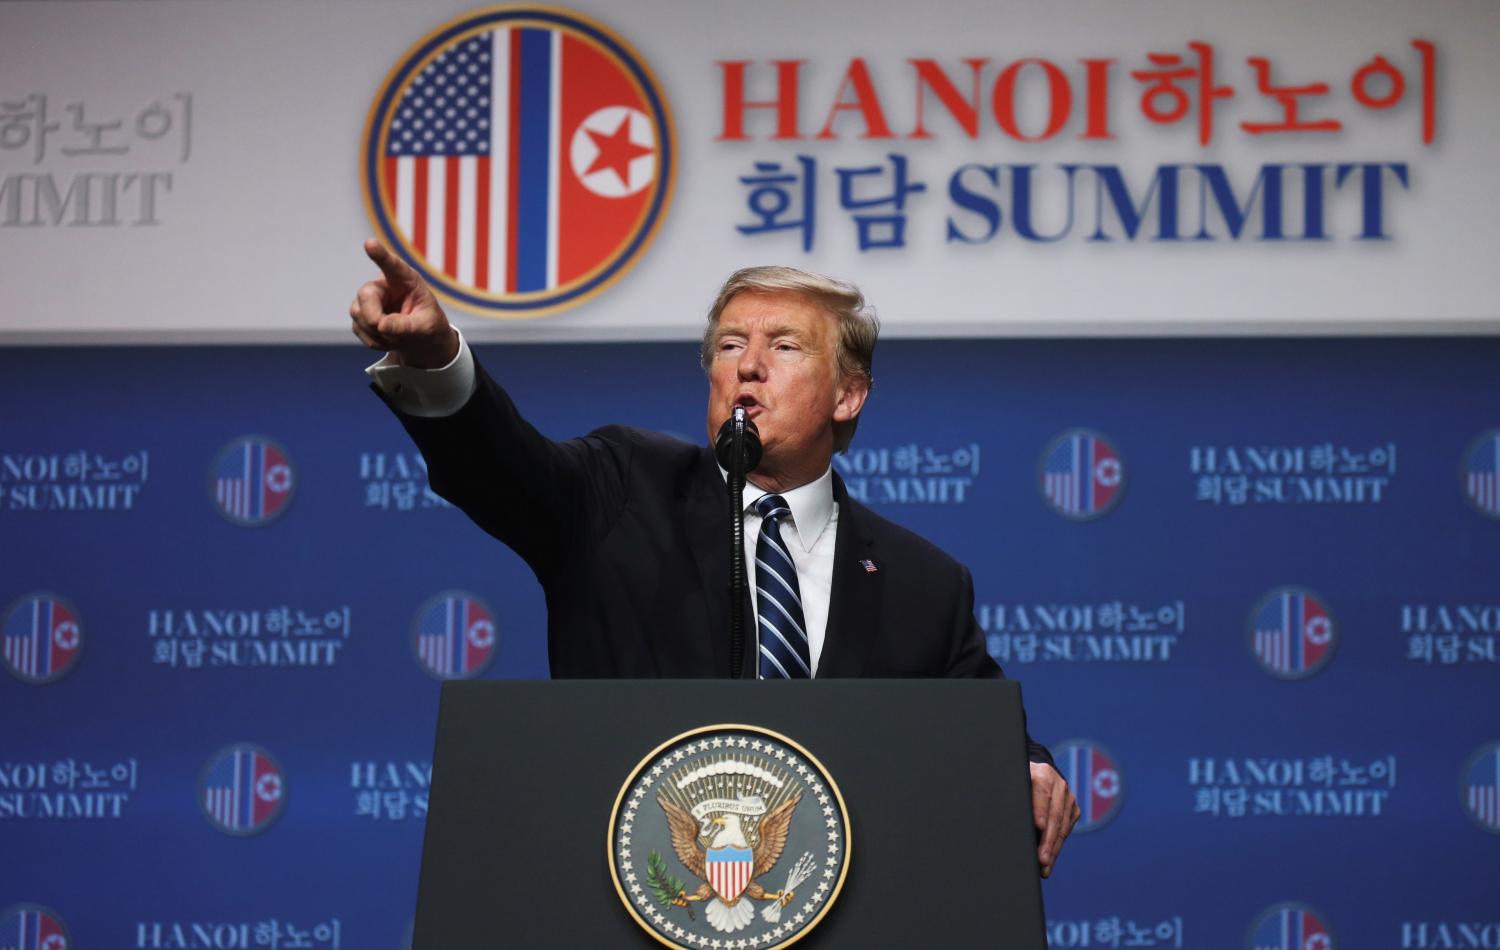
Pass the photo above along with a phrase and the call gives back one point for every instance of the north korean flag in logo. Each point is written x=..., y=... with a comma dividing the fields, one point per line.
x=1482, y=787
x=242, y=790
x=1482, y=473
x=42, y=638
x=455, y=636
x=1082, y=475
x=1095, y=779
x=31, y=927
x=521, y=158
x=253, y=481
x=1293, y=633
x=1291, y=927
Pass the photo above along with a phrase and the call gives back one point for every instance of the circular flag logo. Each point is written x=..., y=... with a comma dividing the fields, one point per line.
x=33, y=927
x=1290, y=926
x=1481, y=473
x=252, y=481
x=242, y=790
x=1292, y=634
x=520, y=158
x=454, y=636
x=1095, y=778
x=1481, y=787
x=43, y=638
x=1081, y=475
x=729, y=835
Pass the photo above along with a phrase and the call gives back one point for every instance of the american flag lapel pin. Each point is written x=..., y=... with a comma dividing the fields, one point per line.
x=869, y=566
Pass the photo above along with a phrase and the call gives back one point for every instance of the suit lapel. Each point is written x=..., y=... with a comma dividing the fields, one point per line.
x=708, y=534
x=855, y=601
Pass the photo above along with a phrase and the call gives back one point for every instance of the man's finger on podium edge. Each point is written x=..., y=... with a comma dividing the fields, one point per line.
x=1052, y=836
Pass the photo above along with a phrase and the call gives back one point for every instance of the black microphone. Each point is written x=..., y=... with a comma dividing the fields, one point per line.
x=738, y=423
x=738, y=450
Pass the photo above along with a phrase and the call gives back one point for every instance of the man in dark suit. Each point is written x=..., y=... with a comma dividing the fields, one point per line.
x=625, y=529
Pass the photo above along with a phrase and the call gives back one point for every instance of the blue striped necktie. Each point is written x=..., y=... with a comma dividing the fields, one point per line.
x=784, y=652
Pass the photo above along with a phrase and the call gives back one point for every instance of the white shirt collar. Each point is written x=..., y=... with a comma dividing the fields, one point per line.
x=811, y=504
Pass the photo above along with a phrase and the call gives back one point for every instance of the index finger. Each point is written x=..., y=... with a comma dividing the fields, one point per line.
x=396, y=271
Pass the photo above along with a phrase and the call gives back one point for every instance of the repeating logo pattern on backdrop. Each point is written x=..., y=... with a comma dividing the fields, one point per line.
x=1292, y=633
x=33, y=927
x=1290, y=926
x=521, y=158
x=1481, y=786
x=253, y=481
x=43, y=638
x=454, y=636
x=1481, y=473
x=729, y=836
x=1081, y=475
x=1095, y=777
x=242, y=790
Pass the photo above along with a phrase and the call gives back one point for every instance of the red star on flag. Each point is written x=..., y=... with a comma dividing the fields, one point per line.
x=616, y=151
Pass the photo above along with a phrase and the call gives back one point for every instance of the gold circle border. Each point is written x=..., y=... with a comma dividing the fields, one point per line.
x=614, y=817
x=439, y=281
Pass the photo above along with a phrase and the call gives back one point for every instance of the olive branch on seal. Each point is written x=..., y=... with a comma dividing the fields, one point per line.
x=666, y=887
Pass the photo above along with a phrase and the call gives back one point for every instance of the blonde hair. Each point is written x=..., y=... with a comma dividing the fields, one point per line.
x=858, y=327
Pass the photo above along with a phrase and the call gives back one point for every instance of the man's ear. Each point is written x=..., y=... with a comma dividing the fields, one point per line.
x=849, y=398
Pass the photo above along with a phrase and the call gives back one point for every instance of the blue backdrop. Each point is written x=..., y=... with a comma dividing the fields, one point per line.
x=1331, y=494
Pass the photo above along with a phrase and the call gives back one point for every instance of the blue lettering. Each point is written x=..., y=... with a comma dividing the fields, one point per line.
x=986, y=208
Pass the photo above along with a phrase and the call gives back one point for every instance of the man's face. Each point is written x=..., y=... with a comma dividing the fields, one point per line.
x=776, y=354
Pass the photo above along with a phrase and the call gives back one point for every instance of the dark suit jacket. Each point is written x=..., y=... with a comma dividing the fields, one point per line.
x=628, y=533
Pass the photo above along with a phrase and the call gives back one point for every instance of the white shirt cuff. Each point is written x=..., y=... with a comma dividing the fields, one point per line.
x=428, y=393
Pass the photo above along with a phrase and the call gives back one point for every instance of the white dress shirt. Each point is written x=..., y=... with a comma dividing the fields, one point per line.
x=810, y=537
x=428, y=393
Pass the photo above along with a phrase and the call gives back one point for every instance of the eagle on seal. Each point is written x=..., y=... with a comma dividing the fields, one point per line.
x=724, y=833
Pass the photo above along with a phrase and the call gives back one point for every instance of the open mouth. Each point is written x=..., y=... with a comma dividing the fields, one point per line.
x=752, y=406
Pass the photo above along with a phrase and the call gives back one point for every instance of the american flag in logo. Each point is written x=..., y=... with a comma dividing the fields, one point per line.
x=1482, y=473
x=1294, y=633
x=1082, y=474
x=1292, y=928
x=1482, y=787
x=42, y=638
x=728, y=870
x=455, y=636
x=1095, y=779
x=32, y=928
x=519, y=160
x=243, y=789
x=253, y=481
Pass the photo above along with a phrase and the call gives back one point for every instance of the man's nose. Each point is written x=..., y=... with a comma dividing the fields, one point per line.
x=752, y=363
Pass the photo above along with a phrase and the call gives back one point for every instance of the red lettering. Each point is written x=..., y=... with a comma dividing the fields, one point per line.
x=785, y=103
x=1061, y=94
x=1097, y=94
x=966, y=113
x=866, y=102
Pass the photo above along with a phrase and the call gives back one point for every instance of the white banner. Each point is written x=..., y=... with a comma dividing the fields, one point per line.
x=205, y=172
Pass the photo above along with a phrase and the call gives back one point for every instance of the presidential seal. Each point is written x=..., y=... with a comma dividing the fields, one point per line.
x=729, y=836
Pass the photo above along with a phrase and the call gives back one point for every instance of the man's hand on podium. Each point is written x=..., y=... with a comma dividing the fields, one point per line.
x=398, y=313
x=1055, y=811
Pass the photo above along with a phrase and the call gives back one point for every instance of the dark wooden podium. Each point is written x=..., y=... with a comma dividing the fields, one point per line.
x=933, y=773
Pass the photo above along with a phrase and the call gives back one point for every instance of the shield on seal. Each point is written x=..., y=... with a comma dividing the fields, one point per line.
x=728, y=871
